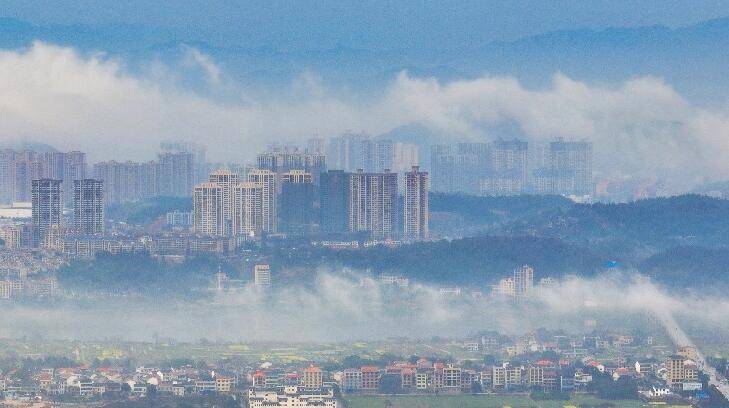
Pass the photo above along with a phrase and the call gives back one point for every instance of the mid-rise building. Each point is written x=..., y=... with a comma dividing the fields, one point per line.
x=313, y=378
x=680, y=370
x=292, y=397
x=88, y=206
x=12, y=236
x=416, y=205
x=262, y=275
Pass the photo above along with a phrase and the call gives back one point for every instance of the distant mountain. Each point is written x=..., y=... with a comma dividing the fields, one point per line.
x=693, y=58
x=28, y=145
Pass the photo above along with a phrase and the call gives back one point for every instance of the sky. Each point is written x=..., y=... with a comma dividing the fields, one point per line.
x=641, y=123
x=369, y=23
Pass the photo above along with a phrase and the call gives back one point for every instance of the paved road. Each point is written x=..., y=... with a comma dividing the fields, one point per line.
x=680, y=338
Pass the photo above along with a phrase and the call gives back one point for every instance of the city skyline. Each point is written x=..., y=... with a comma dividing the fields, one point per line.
x=272, y=203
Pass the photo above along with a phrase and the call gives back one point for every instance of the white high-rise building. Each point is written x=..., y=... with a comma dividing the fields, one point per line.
x=373, y=203
x=266, y=179
x=208, y=203
x=416, y=205
x=227, y=180
x=523, y=281
x=247, y=211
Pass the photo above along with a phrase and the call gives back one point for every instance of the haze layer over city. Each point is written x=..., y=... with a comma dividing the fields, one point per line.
x=345, y=204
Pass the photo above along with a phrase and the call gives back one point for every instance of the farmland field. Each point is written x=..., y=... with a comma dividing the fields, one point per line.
x=481, y=401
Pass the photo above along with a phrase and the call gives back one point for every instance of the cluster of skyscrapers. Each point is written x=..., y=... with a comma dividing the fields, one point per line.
x=353, y=185
x=354, y=151
x=292, y=193
x=18, y=169
x=48, y=222
x=512, y=167
x=173, y=174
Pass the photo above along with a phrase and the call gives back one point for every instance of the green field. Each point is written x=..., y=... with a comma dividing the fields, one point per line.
x=481, y=401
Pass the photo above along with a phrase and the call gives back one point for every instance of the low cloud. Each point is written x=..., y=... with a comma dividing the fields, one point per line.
x=641, y=127
x=345, y=306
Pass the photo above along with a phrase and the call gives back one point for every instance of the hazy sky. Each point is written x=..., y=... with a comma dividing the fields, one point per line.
x=369, y=23
x=642, y=125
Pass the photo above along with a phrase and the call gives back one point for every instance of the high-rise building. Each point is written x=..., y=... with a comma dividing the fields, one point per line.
x=315, y=145
x=247, y=212
x=383, y=155
x=199, y=154
x=460, y=167
x=334, y=201
x=416, y=205
x=353, y=151
x=349, y=151
x=567, y=170
x=281, y=161
x=19, y=168
x=296, y=203
x=74, y=168
x=47, y=206
x=508, y=175
x=88, y=206
x=523, y=281
x=207, y=203
x=176, y=174
x=572, y=161
x=27, y=167
x=120, y=180
x=405, y=156
x=373, y=203
x=266, y=179
x=226, y=179
x=7, y=176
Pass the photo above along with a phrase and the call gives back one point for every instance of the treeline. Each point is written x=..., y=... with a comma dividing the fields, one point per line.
x=138, y=274
x=659, y=222
x=476, y=260
x=689, y=266
x=145, y=211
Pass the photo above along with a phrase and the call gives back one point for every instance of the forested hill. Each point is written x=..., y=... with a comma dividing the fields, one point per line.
x=658, y=223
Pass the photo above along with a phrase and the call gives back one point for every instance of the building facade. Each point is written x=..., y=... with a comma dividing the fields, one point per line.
x=46, y=208
x=416, y=210
x=373, y=204
x=88, y=207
